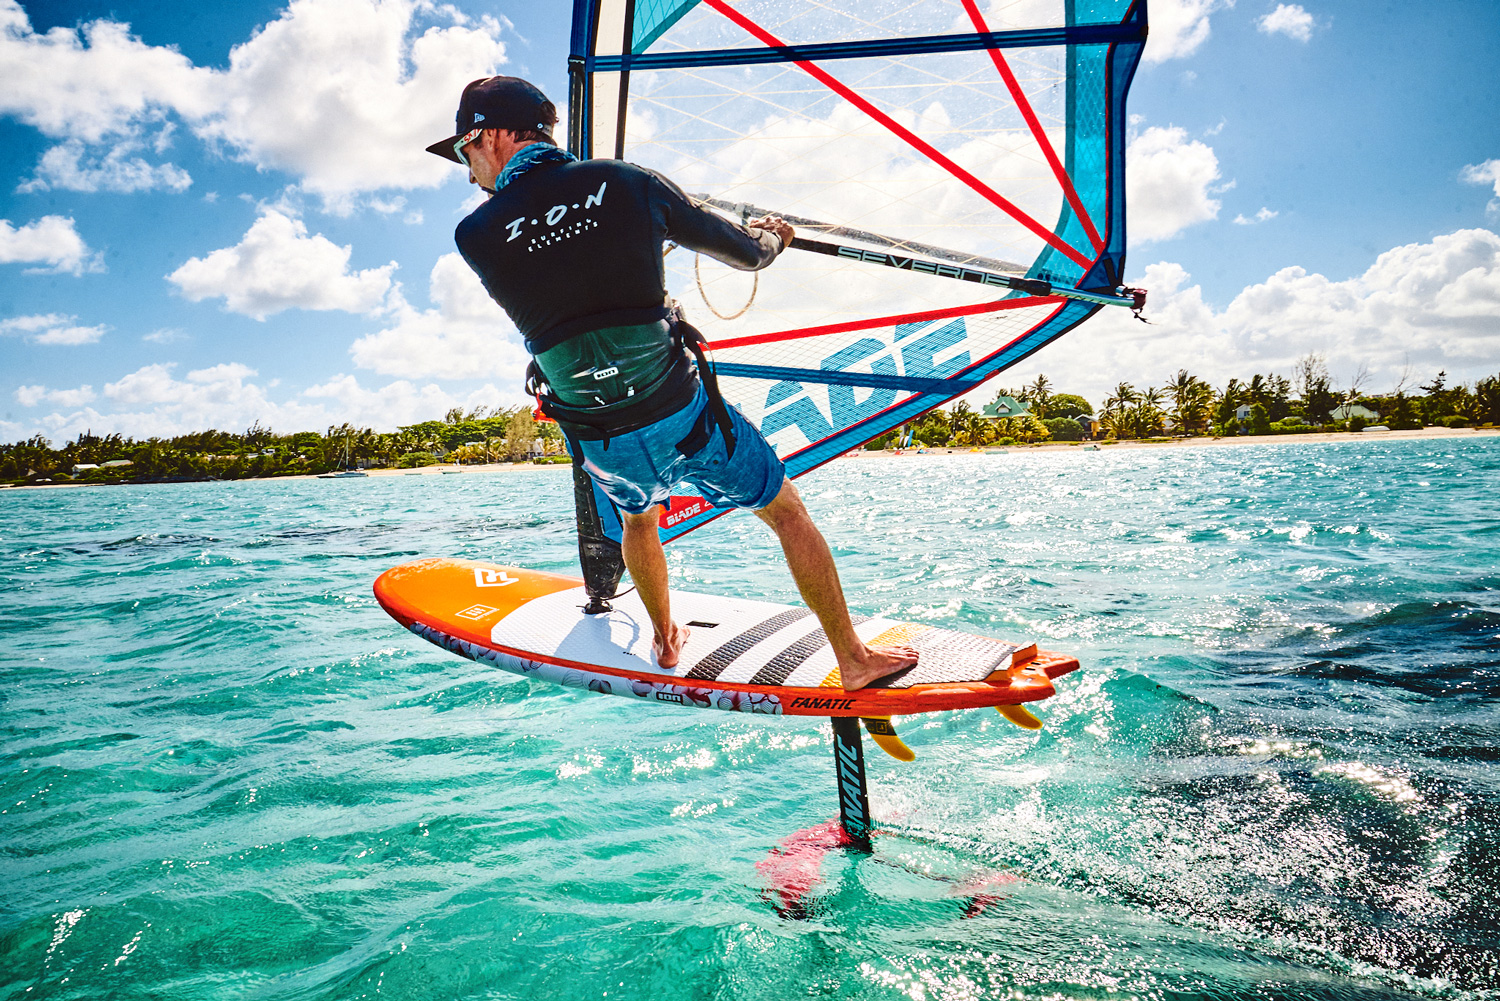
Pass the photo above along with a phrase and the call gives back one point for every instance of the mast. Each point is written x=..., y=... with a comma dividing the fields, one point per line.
x=598, y=524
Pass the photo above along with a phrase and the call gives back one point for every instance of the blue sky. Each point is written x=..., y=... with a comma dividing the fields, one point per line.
x=191, y=240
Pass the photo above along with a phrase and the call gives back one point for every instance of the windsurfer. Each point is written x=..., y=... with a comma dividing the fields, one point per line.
x=572, y=251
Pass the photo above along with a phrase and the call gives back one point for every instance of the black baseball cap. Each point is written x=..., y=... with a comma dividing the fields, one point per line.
x=498, y=102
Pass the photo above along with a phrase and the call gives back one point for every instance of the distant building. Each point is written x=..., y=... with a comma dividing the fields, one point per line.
x=1242, y=412
x=1003, y=407
x=1349, y=410
x=83, y=467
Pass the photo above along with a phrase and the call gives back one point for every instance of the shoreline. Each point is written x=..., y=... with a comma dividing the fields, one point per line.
x=437, y=470
x=1314, y=437
x=1311, y=437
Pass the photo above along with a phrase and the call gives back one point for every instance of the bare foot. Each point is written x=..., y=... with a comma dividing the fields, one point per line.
x=874, y=664
x=669, y=650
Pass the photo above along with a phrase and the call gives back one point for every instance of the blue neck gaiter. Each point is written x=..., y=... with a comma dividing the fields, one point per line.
x=531, y=156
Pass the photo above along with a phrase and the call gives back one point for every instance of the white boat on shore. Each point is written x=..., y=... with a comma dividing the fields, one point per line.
x=346, y=468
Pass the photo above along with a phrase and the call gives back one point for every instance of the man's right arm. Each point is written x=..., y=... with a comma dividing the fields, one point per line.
x=697, y=228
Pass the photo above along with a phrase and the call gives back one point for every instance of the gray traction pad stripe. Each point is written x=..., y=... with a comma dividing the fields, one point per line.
x=948, y=655
x=713, y=665
x=784, y=663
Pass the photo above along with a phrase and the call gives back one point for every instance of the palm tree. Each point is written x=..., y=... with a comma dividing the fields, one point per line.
x=958, y=417
x=1039, y=393
x=1115, y=408
x=1186, y=391
x=1199, y=406
x=1257, y=389
x=976, y=426
x=1148, y=412
x=1228, y=400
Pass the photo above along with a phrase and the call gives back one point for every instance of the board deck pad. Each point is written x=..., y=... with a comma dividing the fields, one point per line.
x=949, y=655
x=742, y=654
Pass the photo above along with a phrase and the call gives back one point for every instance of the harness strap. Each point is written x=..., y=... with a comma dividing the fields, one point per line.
x=692, y=338
x=615, y=419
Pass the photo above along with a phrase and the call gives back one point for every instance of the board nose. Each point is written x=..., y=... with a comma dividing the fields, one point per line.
x=466, y=596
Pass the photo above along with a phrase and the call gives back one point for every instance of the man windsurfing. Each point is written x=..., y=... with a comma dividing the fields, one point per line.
x=572, y=250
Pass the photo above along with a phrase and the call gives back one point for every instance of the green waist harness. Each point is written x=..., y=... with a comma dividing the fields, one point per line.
x=604, y=383
x=612, y=365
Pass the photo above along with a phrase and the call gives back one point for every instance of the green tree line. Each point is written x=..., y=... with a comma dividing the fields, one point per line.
x=479, y=435
x=1185, y=405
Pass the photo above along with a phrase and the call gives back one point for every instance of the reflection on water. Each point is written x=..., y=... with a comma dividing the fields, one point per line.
x=227, y=773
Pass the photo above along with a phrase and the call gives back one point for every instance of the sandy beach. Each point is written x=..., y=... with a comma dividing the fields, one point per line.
x=1051, y=446
x=1265, y=439
x=1055, y=446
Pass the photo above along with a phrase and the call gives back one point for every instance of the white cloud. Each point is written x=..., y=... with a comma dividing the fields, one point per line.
x=465, y=336
x=152, y=401
x=1436, y=304
x=31, y=324
x=50, y=240
x=92, y=82
x=166, y=335
x=393, y=404
x=1487, y=172
x=163, y=405
x=277, y=266
x=1263, y=215
x=30, y=396
x=1169, y=179
x=230, y=372
x=151, y=384
x=345, y=95
x=70, y=335
x=72, y=166
x=1288, y=19
x=390, y=206
x=342, y=94
x=1179, y=27
x=51, y=328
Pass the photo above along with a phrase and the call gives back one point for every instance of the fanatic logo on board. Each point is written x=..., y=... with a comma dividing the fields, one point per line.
x=492, y=578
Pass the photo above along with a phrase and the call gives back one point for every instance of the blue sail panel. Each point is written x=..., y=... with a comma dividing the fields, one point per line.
x=983, y=139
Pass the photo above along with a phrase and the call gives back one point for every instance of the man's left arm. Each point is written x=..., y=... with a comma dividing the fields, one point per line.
x=697, y=228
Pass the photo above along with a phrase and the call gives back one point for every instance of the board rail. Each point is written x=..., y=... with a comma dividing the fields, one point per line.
x=414, y=593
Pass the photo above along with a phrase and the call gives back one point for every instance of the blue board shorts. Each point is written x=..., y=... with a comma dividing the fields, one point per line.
x=639, y=469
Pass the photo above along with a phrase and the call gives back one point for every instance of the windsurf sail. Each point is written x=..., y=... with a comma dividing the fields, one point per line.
x=954, y=168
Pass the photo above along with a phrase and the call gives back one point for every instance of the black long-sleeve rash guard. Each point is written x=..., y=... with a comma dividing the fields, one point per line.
x=573, y=240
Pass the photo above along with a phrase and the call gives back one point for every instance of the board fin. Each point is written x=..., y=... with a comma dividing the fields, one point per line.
x=1020, y=716
x=884, y=735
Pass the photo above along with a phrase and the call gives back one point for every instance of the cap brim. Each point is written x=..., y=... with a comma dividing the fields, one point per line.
x=444, y=148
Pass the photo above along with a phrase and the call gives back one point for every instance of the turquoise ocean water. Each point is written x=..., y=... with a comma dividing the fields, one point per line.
x=226, y=773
